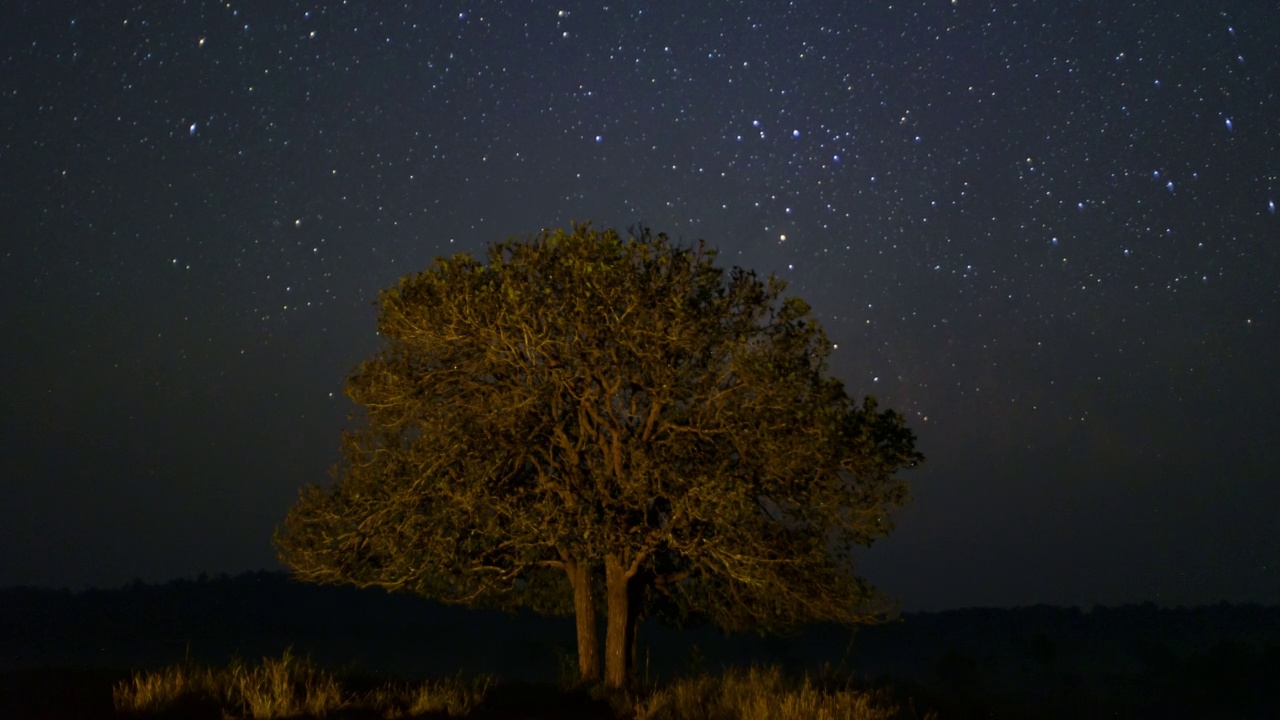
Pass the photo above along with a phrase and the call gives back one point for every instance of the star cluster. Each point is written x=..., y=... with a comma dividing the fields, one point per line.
x=1044, y=231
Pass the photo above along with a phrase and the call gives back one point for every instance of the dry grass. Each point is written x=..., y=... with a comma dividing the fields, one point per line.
x=287, y=687
x=764, y=694
x=291, y=686
x=156, y=692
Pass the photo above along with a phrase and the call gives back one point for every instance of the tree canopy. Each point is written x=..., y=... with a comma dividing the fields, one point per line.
x=587, y=415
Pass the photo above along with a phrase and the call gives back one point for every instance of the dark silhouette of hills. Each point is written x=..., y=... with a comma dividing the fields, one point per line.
x=1131, y=661
x=261, y=613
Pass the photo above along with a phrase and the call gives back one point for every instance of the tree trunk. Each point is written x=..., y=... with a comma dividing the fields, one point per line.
x=584, y=610
x=635, y=605
x=620, y=626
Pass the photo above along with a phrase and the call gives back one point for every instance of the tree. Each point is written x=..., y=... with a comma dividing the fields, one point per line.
x=588, y=415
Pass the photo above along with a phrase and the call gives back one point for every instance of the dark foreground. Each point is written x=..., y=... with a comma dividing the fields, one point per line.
x=56, y=694
x=290, y=687
x=62, y=653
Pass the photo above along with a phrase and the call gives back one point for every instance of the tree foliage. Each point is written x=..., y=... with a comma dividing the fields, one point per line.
x=586, y=414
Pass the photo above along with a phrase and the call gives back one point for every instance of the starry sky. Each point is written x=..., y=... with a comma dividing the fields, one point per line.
x=1046, y=232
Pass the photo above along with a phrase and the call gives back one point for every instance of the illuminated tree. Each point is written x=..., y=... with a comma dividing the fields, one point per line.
x=588, y=422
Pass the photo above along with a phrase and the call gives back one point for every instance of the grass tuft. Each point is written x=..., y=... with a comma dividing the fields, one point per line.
x=764, y=694
x=159, y=691
x=289, y=686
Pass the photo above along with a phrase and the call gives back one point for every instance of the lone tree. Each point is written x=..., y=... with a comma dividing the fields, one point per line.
x=589, y=415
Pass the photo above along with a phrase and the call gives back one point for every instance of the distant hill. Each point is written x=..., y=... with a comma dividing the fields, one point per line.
x=262, y=613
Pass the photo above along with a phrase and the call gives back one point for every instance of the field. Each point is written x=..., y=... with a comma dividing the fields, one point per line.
x=260, y=646
x=294, y=687
x=290, y=686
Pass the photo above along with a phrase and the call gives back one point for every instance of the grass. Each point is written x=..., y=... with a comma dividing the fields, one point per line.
x=294, y=687
x=287, y=687
x=765, y=694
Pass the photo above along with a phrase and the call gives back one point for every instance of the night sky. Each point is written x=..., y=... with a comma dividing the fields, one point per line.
x=1044, y=231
